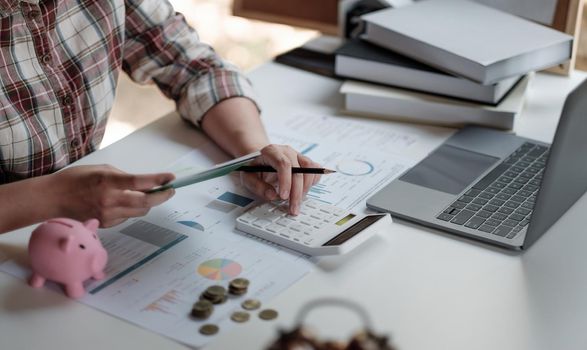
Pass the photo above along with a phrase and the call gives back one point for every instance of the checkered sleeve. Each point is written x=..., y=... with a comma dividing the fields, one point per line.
x=161, y=47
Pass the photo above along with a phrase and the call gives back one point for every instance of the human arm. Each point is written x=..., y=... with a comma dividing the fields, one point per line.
x=234, y=124
x=81, y=193
x=209, y=92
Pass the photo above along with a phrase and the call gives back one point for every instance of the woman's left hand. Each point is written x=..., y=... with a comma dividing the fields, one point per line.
x=283, y=184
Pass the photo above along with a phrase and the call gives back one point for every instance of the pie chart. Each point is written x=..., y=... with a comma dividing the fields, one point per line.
x=219, y=269
x=355, y=167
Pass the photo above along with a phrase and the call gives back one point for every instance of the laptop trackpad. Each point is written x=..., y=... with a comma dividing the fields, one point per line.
x=449, y=169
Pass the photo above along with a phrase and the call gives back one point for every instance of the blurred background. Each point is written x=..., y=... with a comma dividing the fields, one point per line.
x=244, y=42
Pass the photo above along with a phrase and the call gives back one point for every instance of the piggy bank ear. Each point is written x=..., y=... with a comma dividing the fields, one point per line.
x=92, y=224
x=66, y=243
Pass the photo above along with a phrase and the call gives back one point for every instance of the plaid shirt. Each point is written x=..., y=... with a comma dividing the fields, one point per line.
x=59, y=65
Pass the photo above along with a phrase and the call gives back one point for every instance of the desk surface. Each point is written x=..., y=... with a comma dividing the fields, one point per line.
x=430, y=290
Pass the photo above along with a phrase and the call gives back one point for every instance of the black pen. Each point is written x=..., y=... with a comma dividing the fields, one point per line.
x=294, y=170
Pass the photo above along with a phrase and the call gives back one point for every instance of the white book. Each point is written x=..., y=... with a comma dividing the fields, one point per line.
x=468, y=39
x=361, y=60
x=408, y=106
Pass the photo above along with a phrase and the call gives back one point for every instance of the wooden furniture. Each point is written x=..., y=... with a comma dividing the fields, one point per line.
x=567, y=18
x=320, y=15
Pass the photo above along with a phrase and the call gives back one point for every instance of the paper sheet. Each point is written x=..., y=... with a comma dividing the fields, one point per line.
x=366, y=154
x=159, y=264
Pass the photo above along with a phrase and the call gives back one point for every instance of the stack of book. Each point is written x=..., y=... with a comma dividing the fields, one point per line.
x=446, y=62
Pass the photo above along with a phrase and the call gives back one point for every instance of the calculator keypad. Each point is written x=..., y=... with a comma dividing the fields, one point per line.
x=305, y=228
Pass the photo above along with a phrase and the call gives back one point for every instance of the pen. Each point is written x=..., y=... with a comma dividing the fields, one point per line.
x=295, y=170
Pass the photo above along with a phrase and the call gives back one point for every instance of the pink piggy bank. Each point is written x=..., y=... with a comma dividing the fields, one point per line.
x=66, y=251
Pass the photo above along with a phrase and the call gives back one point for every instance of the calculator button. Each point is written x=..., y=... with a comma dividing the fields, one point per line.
x=311, y=204
x=264, y=214
x=274, y=228
x=316, y=216
x=296, y=227
x=338, y=212
x=261, y=223
x=247, y=218
x=330, y=218
x=325, y=211
x=285, y=222
x=313, y=222
x=305, y=222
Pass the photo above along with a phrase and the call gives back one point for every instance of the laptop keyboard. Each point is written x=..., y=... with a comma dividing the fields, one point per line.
x=501, y=203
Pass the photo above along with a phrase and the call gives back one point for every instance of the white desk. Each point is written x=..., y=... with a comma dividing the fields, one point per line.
x=428, y=289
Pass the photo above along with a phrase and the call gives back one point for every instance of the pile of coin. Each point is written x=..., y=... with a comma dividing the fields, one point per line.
x=214, y=294
x=238, y=286
x=202, y=309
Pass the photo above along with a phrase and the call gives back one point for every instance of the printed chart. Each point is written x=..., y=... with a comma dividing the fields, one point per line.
x=361, y=157
x=354, y=167
x=159, y=264
x=219, y=269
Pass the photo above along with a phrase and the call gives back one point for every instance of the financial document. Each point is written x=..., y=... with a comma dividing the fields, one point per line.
x=160, y=264
x=366, y=154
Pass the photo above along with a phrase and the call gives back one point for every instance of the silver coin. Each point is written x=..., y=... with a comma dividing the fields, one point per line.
x=251, y=304
x=240, y=316
x=268, y=314
x=209, y=329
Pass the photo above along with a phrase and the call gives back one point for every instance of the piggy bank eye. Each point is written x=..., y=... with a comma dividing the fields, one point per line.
x=82, y=246
x=95, y=237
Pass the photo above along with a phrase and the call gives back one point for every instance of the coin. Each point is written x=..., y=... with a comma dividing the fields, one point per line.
x=251, y=304
x=240, y=316
x=202, y=309
x=268, y=314
x=214, y=294
x=216, y=290
x=239, y=283
x=209, y=329
x=238, y=286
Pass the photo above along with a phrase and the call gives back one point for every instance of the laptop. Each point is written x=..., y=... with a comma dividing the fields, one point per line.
x=494, y=186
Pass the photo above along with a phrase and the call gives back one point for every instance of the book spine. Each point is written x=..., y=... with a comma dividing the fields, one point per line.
x=428, y=112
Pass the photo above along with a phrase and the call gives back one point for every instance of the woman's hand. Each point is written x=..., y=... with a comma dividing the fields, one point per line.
x=105, y=193
x=283, y=184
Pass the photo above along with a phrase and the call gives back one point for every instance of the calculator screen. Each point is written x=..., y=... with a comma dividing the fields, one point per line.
x=345, y=219
x=353, y=230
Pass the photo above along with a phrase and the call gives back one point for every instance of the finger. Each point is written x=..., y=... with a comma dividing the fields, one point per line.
x=317, y=177
x=277, y=158
x=305, y=162
x=259, y=187
x=136, y=199
x=142, y=182
x=297, y=189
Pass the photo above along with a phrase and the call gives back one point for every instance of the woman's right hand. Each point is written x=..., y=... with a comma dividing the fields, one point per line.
x=105, y=193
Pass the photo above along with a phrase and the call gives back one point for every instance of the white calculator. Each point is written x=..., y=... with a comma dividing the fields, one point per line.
x=319, y=229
